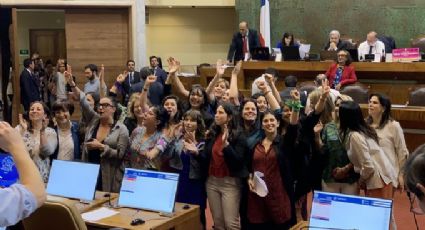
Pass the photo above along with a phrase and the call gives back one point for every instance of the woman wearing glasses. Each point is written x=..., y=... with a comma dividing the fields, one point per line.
x=106, y=138
x=342, y=72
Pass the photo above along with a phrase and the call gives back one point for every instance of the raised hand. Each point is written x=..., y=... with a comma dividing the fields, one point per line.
x=295, y=95
x=173, y=65
x=102, y=71
x=9, y=137
x=237, y=68
x=120, y=78
x=325, y=88
x=262, y=86
x=150, y=80
x=22, y=122
x=190, y=147
x=269, y=78
x=220, y=67
x=225, y=136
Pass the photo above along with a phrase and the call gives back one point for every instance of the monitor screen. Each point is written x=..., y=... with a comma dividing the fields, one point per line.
x=149, y=190
x=334, y=210
x=73, y=179
x=8, y=172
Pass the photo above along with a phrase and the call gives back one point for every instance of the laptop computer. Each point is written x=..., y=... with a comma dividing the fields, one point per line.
x=339, y=211
x=354, y=53
x=148, y=190
x=326, y=55
x=261, y=53
x=73, y=179
x=8, y=172
x=291, y=53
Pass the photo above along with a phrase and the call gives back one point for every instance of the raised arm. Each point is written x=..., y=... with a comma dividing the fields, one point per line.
x=325, y=94
x=295, y=115
x=219, y=73
x=102, y=87
x=173, y=66
x=233, y=91
x=262, y=85
x=269, y=80
x=144, y=94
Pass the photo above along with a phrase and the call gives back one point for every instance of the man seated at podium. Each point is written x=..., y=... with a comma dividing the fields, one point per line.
x=371, y=46
x=243, y=43
x=335, y=43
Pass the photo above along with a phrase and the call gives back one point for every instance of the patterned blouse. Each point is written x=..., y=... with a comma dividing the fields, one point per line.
x=40, y=154
x=137, y=149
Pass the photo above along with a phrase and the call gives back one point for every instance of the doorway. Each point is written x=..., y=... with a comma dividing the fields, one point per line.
x=49, y=43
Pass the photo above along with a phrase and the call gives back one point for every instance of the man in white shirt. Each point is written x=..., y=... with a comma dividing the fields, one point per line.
x=371, y=46
x=19, y=200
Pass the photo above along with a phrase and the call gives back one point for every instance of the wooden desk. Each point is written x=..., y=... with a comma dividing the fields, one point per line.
x=393, y=79
x=412, y=120
x=182, y=219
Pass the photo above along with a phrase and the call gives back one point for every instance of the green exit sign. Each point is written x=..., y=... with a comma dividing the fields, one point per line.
x=23, y=53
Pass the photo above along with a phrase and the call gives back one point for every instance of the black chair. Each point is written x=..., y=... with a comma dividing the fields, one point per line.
x=389, y=43
x=417, y=96
x=357, y=91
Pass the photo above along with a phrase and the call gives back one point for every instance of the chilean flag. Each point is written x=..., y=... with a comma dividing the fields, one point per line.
x=265, y=23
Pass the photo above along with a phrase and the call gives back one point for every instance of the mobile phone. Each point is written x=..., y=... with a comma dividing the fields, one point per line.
x=8, y=171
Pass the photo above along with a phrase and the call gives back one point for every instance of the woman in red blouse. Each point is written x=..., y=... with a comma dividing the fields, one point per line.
x=273, y=157
x=341, y=73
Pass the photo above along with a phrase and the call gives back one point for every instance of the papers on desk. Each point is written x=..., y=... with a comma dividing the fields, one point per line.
x=260, y=184
x=186, y=74
x=304, y=49
x=398, y=106
x=98, y=214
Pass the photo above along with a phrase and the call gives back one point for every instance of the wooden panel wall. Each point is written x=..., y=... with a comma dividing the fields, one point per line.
x=97, y=36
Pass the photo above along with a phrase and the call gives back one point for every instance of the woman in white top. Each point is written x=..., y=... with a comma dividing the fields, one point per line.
x=390, y=133
x=40, y=140
x=361, y=141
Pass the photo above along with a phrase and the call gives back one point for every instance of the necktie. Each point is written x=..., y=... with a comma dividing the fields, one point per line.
x=370, y=49
x=244, y=45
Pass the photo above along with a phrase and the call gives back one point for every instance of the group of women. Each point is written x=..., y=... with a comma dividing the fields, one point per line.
x=220, y=143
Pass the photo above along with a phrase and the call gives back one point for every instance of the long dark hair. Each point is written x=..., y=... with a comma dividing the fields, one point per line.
x=215, y=129
x=200, y=130
x=351, y=119
x=162, y=116
x=287, y=35
x=204, y=106
x=414, y=171
x=386, y=115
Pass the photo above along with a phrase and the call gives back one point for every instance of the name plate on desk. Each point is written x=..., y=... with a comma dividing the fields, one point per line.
x=406, y=55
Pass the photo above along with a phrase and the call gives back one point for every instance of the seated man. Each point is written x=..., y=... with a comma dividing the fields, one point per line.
x=371, y=46
x=291, y=84
x=21, y=199
x=271, y=71
x=243, y=43
x=335, y=43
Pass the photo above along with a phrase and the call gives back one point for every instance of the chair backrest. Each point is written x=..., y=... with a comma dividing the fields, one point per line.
x=357, y=91
x=57, y=214
x=417, y=96
x=307, y=86
x=418, y=42
x=389, y=43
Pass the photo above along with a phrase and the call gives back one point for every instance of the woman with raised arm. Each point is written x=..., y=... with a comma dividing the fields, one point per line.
x=218, y=85
x=223, y=164
x=40, y=140
x=272, y=159
x=105, y=140
x=197, y=96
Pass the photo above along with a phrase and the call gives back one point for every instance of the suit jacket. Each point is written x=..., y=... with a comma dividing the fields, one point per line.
x=236, y=49
x=348, y=75
x=126, y=84
x=156, y=92
x=161, y=75
x=342, y=45
x=29, y=89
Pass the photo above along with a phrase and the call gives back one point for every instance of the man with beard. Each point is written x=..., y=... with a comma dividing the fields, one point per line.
x=93, y=84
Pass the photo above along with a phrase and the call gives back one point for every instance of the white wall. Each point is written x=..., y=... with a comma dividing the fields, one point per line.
x=192, y=35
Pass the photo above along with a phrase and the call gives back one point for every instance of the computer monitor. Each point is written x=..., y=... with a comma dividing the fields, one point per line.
x=339, y=211
x=291, y=53
x=148, y=190
x=73, y=179
x=8, y=172
x=354, y=53
x=261, y=53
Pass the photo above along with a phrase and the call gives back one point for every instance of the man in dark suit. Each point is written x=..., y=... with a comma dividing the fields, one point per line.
x=133, y=77
x=29, y=84
x=335, y=43
x=156, y=68
x=243, y=42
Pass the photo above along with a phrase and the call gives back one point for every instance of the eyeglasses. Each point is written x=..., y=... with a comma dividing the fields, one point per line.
x=105, y=105
x=414, y=205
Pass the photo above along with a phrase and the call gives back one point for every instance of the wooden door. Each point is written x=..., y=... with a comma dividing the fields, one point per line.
x=14, y=51
x=49, y=43
x=97, y=36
